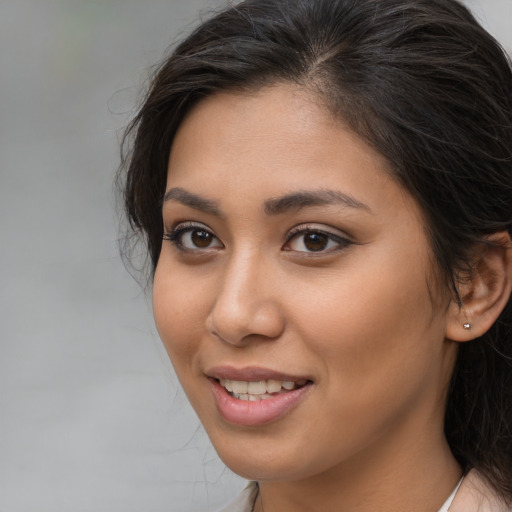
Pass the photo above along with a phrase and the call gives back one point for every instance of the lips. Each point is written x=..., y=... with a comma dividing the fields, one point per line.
x=255, y=396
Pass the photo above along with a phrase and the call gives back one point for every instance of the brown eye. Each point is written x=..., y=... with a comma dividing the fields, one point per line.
x=201, y=238
x=197, y=238
x=315, y=241
x=193, y=238
x=310, y=240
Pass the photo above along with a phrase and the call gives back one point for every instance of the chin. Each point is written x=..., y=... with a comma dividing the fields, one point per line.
x=263, y=460
x=262, y=471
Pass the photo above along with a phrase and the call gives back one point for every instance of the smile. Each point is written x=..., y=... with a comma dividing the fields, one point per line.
x=254, y=391
x=254, y=396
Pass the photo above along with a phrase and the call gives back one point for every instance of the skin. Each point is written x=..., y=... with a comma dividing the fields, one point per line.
x=363, y=319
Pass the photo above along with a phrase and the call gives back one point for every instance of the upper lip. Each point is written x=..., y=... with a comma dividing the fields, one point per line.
x=251, y=374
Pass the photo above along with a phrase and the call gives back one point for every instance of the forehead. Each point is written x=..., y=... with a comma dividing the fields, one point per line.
x=271, y=142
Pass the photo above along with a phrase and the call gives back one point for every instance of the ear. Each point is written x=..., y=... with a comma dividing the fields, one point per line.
x=485, y=293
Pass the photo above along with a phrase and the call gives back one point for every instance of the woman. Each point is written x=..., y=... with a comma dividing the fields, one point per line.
x=325, y=189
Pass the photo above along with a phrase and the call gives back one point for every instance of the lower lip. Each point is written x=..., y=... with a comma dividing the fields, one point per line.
x=250, y=414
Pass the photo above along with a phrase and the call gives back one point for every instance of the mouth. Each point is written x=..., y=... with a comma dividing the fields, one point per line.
x=254, y=391
x=255, y=396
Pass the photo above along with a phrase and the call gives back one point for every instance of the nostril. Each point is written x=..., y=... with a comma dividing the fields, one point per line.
x=239, y=327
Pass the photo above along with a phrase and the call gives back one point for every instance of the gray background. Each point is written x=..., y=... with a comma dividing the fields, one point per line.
x=91, y=416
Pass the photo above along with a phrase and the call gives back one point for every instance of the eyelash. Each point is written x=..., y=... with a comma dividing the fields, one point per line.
x=176, y=234
x=341, y=242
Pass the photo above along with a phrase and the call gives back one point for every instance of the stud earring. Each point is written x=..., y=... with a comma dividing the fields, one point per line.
x=467, y=326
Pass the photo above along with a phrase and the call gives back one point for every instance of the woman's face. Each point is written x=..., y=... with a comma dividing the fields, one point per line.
x=294, y=291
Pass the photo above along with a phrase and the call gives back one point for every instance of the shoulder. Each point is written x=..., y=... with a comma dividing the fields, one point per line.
x=244, y=501
x=475, y=495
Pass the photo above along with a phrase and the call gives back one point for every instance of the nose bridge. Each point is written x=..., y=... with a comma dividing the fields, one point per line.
x=246, y=303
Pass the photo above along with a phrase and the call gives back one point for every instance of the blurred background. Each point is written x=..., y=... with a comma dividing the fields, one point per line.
x=92, y=418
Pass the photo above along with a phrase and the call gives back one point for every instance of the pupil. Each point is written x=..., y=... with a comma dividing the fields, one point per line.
x=316, y=241
x=201, y=238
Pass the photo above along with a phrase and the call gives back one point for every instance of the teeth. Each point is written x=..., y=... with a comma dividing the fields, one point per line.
x=273, y=386
x=252, y=398
x=239, y=386
x=259, y=390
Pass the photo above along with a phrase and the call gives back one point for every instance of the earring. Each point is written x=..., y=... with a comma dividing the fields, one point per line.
x=467, y=326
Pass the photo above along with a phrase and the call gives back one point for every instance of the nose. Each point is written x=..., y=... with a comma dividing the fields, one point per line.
x=246, y=306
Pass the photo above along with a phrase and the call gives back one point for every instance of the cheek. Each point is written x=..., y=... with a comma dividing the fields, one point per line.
x=179, y=311
x=374, y=328
x=378, y=346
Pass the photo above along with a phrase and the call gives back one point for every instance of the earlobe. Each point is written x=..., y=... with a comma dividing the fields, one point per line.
x=485, y=293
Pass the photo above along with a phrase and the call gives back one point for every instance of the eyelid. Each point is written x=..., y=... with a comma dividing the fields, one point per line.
x=318, y=228
x=179, y=229
x=188, y=224
x=343, y=240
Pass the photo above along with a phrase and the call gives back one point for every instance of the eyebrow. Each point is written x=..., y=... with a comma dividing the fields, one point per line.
x=193, y=201
x=306, y=198
x=276, y=206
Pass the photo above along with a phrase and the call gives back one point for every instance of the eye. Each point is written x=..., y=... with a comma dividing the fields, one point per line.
x=312, y=240
x=192, y=237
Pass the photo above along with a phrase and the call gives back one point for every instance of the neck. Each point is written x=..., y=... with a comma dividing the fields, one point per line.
x=417, y=477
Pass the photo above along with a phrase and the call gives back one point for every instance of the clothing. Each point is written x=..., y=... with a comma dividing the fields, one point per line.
x=473, y=495
x=244, y=502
